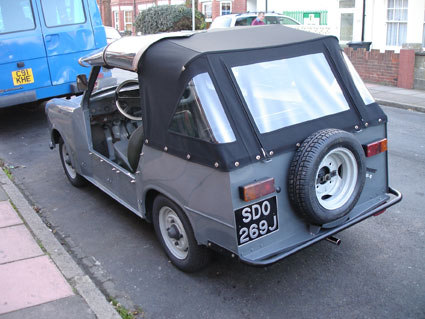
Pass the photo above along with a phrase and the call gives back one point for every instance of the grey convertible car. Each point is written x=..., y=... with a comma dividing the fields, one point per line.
x=256, y=142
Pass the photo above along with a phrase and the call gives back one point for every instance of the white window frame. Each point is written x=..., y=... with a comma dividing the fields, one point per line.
x=116, y=14
x=127, y=22
x=221, y=6
x=145, y=6
x=204, y=10
x=423, y=33
x=404, y=6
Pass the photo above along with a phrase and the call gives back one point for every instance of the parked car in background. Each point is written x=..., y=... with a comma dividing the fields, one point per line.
x=40, y=44
x=255, y=142
x=112, y=34
x=245, y=19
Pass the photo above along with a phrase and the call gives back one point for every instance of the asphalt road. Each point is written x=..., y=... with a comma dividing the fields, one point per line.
x=377, y=272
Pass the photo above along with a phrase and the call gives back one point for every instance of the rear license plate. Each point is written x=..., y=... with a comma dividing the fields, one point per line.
x=21, y=77
x=256, y=220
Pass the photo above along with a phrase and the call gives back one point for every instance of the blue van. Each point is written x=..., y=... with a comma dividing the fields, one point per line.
x=40, y=44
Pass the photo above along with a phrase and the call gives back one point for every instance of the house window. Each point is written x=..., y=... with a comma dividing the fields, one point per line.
x=117, y=20
x=347, y=22
x=128, y=20
x=207, y=11
x=396, y=22
x=347, y=3
x=225, y=7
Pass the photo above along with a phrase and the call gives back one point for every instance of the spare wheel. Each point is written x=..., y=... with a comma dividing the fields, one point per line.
x=326, y=176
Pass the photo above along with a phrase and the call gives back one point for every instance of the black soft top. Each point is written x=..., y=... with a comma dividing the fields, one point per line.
x=167, y=65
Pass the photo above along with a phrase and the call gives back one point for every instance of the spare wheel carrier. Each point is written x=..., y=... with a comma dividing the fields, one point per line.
x=326, y=176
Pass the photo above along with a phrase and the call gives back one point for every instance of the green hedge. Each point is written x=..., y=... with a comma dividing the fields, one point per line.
x=167, y=19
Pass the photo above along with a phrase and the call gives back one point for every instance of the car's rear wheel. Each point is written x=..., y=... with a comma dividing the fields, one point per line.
x=75, y=179
x=175, y=234
x=327, y=176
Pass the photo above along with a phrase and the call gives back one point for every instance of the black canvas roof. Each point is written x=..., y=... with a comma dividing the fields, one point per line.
x=166, y=67
x=241, y=38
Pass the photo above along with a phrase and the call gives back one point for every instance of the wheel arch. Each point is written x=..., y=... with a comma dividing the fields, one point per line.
x=150, y=196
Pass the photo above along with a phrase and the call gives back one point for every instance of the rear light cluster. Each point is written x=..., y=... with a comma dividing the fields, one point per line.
x=375, y=147
x=257, y=189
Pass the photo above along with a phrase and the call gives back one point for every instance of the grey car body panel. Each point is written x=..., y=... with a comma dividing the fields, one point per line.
x=210, y=196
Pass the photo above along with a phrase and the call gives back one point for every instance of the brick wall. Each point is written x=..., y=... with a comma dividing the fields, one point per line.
x=387, y=68
x=374, y=66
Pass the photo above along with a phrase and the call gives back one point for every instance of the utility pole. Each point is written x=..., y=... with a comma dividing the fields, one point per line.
x=193, y=15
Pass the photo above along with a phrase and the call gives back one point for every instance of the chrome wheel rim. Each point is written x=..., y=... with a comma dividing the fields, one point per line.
x=173, y=232
x=336, y=178
x=68, y=164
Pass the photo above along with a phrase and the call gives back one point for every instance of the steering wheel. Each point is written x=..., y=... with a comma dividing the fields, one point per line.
x=119, y=98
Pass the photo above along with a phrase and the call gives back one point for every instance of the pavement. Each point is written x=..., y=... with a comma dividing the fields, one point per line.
x=40, y=279
x=413, y=100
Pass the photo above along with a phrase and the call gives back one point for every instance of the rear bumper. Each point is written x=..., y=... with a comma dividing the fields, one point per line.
x=278, y=255
x=15, y=98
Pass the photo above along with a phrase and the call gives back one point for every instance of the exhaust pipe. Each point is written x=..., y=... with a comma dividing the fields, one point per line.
x=334, y=240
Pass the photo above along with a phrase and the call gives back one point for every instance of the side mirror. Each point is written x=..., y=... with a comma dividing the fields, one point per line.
x=82, y=82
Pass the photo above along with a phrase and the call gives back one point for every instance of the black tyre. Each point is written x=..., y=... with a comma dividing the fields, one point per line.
x=76, y=179
x=175, y=234
x=326, y=176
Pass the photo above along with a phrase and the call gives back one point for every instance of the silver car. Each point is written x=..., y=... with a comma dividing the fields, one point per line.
x=245, y=19
x=254, y=142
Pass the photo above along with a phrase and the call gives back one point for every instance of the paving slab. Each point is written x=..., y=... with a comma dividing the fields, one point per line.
x=3, y=195
x=66, y=308
x=17, y=243
x=8, y=215
x=30, y=282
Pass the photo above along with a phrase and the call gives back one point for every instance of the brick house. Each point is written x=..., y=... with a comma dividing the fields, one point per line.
x=214, y=8
x=120, y=14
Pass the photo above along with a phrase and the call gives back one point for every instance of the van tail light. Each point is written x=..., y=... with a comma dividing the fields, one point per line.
x=375, y=147
x=257, y=189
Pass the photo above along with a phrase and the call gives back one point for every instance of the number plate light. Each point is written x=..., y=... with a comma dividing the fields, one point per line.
x=375, y=147
x=257, y=189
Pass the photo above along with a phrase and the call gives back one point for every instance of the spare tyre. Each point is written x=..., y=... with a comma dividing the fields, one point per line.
x=326, y=176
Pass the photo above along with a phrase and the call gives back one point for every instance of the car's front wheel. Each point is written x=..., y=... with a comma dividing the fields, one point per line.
x=175, y=234
x=76, y=179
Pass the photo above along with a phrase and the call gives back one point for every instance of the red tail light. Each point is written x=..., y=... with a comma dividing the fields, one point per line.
x=379, y=213
x=375, y=147
x=257, y=189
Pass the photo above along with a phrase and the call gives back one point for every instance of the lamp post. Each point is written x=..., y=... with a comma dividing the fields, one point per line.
x=193, y=15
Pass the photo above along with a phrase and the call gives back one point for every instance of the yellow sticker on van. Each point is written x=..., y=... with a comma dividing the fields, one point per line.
x=21, y=77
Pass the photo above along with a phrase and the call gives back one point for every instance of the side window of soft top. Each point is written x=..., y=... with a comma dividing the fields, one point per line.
x=200, y=113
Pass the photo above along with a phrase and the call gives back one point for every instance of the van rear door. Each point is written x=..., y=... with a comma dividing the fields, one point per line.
x=68, y=35
x=23, y=63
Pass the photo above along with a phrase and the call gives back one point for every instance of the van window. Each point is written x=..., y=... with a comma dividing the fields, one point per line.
x=58, y=13
x=16, y=16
